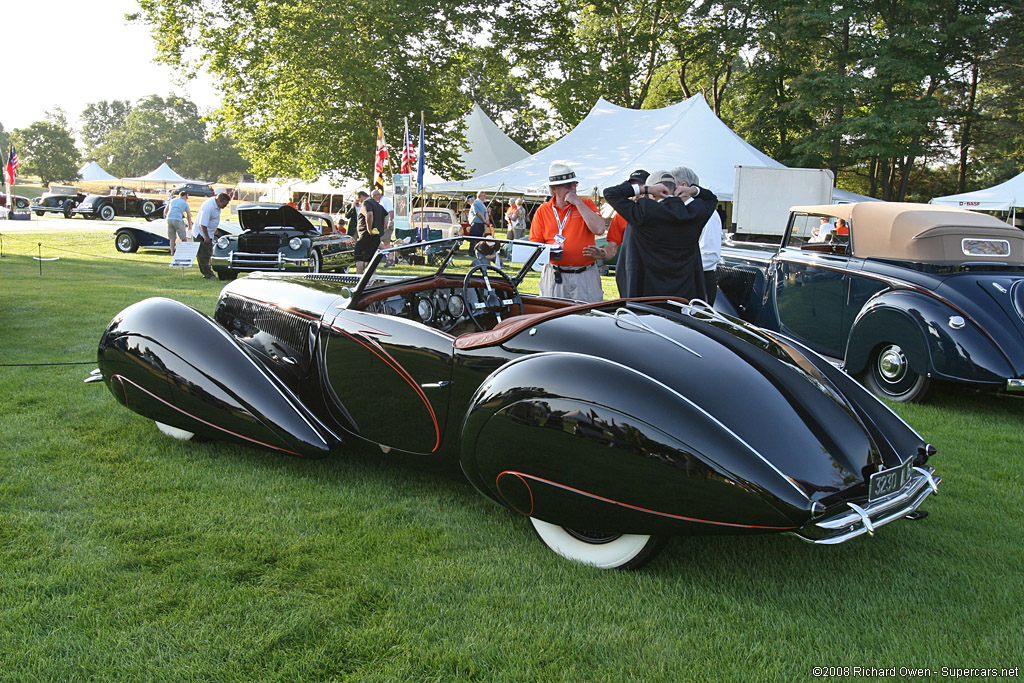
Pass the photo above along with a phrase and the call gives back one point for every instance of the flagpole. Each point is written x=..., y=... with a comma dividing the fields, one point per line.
x=7, y=185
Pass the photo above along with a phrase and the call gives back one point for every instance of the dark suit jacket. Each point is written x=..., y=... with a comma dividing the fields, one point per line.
x=665, y=240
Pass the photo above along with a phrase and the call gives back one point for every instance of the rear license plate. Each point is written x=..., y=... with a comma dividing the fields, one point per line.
x=889, y=481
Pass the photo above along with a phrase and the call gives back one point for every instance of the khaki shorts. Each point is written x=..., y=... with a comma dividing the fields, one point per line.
x=387, y=235
x=585, y=286
x=176, y=227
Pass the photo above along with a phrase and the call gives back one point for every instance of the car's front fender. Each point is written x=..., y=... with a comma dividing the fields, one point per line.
x=588, y=443
x=938, y=340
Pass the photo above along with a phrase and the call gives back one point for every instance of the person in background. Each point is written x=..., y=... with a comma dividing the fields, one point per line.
x=372, y=218
x=628, y=273
x=478, y=215
x=822, y=232
x=387, y=229
x=710, y=237
x=666, y=232
x=205, y=229
x=569, y=223
x=176, y=212
x=353, y=213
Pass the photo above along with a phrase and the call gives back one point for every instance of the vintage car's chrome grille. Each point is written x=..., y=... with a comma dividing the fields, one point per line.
x=259, y=243
x=291, y=329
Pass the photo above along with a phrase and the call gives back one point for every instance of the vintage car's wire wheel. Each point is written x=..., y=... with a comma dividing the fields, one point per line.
x=21, y=203
x=316, y=261
x=174, y=432
x=889, y=375
x=108, y=213
x=125, y=242
x=69, y=207
x=148, y=207
x=605, y=551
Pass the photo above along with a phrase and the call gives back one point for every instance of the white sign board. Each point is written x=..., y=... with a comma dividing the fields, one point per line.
x=184, y=254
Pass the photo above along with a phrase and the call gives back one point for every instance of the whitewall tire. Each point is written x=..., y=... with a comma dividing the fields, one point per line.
x=605, y=551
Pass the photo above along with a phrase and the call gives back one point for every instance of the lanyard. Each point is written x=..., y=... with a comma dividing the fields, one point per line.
x=560, y=222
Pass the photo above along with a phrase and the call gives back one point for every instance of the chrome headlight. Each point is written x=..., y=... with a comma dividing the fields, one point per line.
x=295, y=243
x=223, y=242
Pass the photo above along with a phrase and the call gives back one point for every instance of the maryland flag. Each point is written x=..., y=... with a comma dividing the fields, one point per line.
x=382, y=155
x=408, y=152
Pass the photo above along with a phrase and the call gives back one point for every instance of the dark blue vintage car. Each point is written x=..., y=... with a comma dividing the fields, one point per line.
x=278, y=237
x=611, y=426
x=910, y=295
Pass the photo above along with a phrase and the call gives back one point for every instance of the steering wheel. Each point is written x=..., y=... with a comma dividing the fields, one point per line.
x=492, y=301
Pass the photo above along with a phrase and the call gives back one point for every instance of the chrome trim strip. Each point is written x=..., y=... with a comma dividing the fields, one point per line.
x=620, y=315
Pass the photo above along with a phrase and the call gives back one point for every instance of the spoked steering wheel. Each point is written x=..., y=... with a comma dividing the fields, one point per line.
x=492, y=301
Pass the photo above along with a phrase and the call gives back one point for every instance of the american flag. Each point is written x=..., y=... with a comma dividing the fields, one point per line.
x=12, y=165
x=378, y=165
x=408, y=152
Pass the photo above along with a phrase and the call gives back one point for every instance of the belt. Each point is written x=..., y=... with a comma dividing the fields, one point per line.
x=563, y=269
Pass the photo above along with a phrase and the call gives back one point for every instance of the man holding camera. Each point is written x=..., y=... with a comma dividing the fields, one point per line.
x=568, y=223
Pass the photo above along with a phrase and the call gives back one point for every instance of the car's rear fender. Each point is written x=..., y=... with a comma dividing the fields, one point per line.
x=199, y=379
x=602, y=447
x=938, y=340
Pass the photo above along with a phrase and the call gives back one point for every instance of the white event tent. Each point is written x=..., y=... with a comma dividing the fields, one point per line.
x=613, y=141
x=161, y=174
x=489, y=147
x=94, y=172
x=1008, y=196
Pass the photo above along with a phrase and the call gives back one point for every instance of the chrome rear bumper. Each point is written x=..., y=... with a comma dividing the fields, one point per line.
x=865, y=519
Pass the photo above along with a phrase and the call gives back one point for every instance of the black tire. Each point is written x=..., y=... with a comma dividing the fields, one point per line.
x=316, y=261
x=69, y=208
x=126, y=242
x=889, y=375
x=21, y=203
x=227, y=275
x=108, y=212
x=604, y=551
x=40, y=213
x=148, y=207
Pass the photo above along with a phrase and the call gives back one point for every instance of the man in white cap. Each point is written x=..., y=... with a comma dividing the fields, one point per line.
x=568, y=222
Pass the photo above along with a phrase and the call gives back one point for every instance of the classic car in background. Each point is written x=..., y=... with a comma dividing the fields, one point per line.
x=122, y=203
x=438, y=221
x=19, y=201
x=280, y=237
x=610, y=425
x=194, y=190
x=58, y=199
x=913, y=295
x=128, y=239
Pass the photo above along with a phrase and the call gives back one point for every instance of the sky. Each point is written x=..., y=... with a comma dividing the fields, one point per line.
x=69, y=53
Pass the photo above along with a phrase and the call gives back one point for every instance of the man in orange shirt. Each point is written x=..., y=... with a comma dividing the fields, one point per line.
x=568, y=222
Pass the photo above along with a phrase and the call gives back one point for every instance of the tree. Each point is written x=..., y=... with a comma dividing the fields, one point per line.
x=155, y=131
x=212, y=160
x=101, y=118
x=47, y=150
x=306, y=83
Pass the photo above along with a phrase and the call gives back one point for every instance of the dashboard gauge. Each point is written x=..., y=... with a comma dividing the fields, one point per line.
x=425, y=309
x=456, y=306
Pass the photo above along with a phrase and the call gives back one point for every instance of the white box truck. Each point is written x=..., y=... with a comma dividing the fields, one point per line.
x=762, y=196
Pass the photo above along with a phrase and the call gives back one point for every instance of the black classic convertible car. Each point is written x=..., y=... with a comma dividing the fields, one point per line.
x=913, y=294
x=279, y=237
x=121, y=202
x=611, y=426
x=59, y=199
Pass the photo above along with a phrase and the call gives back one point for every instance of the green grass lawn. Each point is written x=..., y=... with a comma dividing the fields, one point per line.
x=125, y=555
